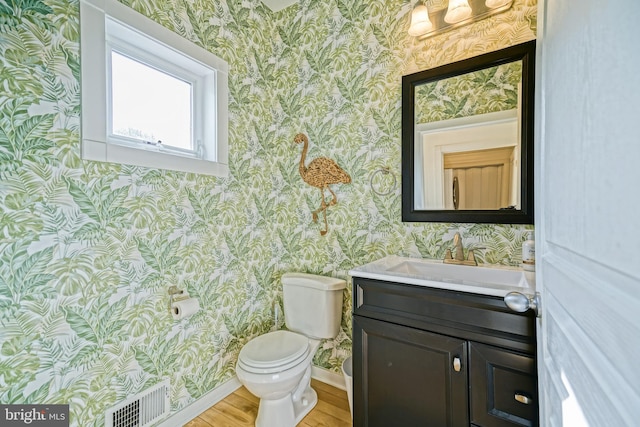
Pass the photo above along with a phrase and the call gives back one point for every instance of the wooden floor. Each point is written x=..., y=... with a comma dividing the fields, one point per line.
x=241, y=407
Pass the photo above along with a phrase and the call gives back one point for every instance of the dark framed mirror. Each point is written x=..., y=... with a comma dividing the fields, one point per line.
x=467, y=140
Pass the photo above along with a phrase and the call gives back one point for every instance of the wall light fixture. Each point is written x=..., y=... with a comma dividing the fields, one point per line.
x=431, y=17
x=458, y=10
x=420, y=22
x=492, y=4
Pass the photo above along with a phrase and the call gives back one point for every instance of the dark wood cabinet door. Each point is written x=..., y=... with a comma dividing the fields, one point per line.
x=503, y=387
x=408, y=377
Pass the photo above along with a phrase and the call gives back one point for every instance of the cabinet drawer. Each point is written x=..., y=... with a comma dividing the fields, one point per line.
x=503, y=387
x=479, y=318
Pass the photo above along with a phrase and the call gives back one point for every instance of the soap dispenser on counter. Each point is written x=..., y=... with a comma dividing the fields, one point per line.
x=529, y=253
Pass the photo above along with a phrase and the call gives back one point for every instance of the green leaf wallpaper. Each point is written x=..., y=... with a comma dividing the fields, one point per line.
x=481, y=92
x=88, y=250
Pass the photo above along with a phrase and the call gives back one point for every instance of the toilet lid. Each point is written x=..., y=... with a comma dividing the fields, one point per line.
x=275, y=351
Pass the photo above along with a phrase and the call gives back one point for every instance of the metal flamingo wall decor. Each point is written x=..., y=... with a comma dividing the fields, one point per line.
x=321, y=173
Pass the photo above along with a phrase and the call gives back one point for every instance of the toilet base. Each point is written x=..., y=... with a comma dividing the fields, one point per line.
x=306, y=404
x=285, y=412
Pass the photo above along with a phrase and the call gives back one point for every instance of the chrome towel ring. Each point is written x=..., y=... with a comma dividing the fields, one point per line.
x=377, y=184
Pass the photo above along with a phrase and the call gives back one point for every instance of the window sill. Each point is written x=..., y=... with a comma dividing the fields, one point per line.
x=103, y=152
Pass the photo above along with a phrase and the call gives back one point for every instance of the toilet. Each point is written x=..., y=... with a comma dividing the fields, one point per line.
x=276, y=367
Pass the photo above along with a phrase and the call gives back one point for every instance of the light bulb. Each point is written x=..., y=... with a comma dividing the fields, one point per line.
x=420, y=22
x=492, y=4
x=458, y=10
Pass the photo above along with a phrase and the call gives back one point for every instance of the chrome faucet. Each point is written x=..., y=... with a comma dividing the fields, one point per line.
x=459, y=253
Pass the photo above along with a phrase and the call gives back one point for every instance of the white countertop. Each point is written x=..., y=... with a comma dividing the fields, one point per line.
x=495, y=280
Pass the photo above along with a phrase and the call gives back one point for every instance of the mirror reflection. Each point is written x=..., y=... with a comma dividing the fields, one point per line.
x=467, y=144
x=467, y=139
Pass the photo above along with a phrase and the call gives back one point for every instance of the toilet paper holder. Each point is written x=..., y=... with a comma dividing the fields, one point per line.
x=176, y=294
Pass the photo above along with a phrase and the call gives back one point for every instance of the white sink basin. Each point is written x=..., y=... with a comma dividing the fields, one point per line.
x=486, y=280
x=461, y=273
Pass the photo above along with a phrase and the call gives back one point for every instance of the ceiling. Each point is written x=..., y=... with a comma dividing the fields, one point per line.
x=277, y=5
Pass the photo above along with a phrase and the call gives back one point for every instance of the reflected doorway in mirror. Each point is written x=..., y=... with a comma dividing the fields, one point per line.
x=482, y=151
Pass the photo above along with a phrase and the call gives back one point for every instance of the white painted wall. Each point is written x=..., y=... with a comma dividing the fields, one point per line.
x=587, y=209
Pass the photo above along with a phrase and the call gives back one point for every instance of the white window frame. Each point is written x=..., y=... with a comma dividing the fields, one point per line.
x=108, y=24
x=199, y=88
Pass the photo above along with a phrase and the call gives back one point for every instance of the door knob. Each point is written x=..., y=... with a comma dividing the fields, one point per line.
x=520, y=302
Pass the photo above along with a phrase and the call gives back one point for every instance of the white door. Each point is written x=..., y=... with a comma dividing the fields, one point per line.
x=588, y=211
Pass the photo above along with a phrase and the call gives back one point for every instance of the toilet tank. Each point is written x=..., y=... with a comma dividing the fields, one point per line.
x=313, y=304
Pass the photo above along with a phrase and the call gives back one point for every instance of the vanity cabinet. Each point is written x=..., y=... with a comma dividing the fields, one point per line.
x=431, y=357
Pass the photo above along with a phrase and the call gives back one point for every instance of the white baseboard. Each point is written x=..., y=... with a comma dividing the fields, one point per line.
x=194, y=409
x=328, y=377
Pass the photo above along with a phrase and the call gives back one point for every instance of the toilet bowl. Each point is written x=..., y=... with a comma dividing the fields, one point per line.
x=276, y=367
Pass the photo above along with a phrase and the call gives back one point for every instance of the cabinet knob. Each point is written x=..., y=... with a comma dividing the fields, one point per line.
x=523, y=398
x=456, y=364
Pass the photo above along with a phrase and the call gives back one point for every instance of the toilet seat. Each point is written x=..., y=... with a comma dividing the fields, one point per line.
x=274, y=352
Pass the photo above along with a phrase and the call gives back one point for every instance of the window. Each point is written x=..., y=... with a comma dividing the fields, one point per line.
x=150, y=97
x=141, y=113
